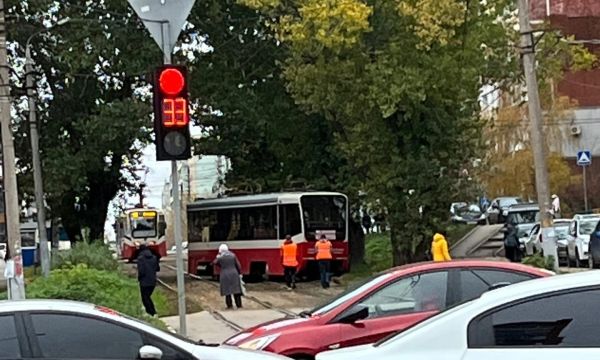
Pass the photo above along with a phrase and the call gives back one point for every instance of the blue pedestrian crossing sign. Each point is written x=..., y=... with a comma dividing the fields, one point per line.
x=584, y=158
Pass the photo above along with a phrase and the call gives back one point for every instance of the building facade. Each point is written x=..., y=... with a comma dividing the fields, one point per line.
x=580, y=19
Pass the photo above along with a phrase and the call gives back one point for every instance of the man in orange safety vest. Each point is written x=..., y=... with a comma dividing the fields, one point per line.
x=324, y=256
x=289, y=260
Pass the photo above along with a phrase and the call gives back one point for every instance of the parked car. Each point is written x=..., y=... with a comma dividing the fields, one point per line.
x=498, y=209
x=549, y=319
x=524, y=216
x=594, y=248
x=173, y=249
x=578, y=239
x=388, y=302
x=2, y=251
x=57, y=329
x=533, y=243
x=468, y=214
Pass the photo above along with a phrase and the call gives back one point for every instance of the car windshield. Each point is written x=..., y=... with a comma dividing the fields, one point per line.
x=561, y=232
x=506, y=202
x=524, y=217
x=349, y=294
x=586, y=227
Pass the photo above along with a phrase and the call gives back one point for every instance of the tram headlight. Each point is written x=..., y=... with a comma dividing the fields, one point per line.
x=259, y=343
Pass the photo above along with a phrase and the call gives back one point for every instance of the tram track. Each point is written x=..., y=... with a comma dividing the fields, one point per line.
x=262, y=303
x=214, y=313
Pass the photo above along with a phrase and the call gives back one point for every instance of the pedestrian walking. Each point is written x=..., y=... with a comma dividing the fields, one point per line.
x=511, y=243
x=367, y=223
x=289, y=260
x=324, y=257
x=230, y=276
x=147, y=267
x=439, y=248
x=556, y=206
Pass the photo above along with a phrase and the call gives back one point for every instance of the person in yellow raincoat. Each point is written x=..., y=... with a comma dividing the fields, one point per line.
x=439, y=248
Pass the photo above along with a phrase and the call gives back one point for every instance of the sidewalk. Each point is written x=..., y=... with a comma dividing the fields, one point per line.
x=203, y=326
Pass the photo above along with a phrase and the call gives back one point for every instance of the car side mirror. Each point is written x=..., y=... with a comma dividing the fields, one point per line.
x=499, y=285
x=150, y=352
x=356, y=314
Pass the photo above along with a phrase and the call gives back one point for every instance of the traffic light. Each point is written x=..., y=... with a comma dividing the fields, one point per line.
x=171, y=113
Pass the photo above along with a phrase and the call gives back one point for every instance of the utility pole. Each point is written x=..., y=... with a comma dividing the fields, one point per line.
x=37, y=166
x=141, y=194
x=536, y=131
x=16, y=285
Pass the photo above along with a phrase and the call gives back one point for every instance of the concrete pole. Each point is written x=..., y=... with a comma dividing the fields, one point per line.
x=177, y=224
x=536, y=131
x=16, y=285
x=37, y=166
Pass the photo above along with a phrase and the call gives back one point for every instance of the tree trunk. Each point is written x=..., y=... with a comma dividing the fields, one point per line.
x=402, y=247
x=356, y=238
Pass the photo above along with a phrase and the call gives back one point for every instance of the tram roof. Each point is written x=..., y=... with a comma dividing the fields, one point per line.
x=258, y=199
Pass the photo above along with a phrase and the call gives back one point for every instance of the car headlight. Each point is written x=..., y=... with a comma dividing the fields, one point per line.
x=259, y=343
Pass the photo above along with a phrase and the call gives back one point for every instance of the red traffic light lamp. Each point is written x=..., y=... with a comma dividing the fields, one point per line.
x=171, y=81
x=171, y=113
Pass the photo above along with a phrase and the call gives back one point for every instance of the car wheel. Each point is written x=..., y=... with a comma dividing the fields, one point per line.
x=569, y=261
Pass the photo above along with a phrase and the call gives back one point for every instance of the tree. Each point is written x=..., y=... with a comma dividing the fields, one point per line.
x=247, y=115
x=401, y=81
x=94, y=121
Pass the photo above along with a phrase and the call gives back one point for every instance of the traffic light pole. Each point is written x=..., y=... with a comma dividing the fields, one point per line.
x=177, y=225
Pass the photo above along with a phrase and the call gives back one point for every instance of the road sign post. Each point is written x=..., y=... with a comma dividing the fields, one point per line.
x=164, y=19
x=584, y=159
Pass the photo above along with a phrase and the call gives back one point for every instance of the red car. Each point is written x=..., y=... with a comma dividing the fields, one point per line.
x=384, y=304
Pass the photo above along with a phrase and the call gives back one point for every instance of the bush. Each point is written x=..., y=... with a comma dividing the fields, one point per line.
x=539, y=261
x=105, y=288
x=94, y=255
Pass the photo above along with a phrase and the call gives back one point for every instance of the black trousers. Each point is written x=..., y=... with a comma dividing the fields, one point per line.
x=324, y=268
x=513, y=253
x=146, y=292
x=290, y=276
x=238, y=301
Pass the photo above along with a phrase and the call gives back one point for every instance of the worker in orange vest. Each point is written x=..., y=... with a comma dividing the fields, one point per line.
x=324, y=256
x=289, y=260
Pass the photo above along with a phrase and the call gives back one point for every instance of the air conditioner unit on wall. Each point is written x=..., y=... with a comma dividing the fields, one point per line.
x=575, y=130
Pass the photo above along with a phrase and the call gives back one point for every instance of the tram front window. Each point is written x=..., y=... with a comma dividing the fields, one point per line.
x=143, y=224
x=324, y=213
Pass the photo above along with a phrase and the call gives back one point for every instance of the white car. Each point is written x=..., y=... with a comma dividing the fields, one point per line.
x=173, y=249
x=579, y=238
x=58, y=329
x=533, y=243
x=550, y=319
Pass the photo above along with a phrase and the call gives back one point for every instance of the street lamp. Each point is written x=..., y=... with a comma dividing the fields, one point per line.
x=35, y=152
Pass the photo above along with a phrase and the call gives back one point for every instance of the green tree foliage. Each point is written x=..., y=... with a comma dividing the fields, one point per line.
x=401, y=81
x=246, y=113
x=93, y=123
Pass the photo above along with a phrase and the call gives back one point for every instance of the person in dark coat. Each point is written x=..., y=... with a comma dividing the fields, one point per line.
x=511, y=243
x=367, y=223
x=229, y=278
x=147, y=266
